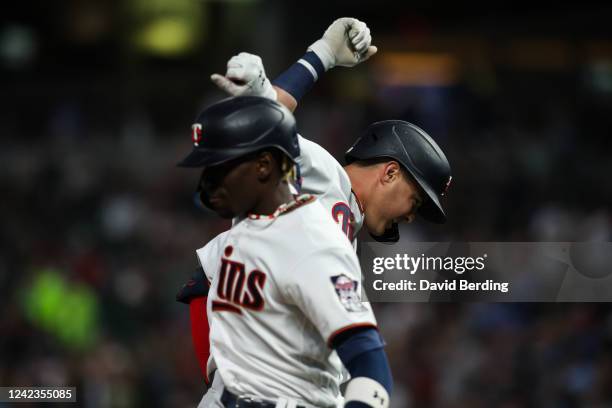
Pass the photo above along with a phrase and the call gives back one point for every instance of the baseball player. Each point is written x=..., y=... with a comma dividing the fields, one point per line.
x=285, y=291
x=395, y=169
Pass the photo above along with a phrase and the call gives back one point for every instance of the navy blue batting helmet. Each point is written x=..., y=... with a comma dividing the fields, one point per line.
x=238, y=126
x=417, y=152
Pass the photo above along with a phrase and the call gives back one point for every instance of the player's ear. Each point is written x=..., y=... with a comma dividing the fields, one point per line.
x=264, y=165
x=391, y=172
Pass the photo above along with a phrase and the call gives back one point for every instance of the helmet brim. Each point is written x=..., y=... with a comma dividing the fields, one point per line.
x=431, y=210
x=203, y=157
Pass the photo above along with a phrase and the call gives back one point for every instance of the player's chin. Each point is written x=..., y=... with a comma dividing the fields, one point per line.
x=226, y=215
x=220, y=209
x=378, y=229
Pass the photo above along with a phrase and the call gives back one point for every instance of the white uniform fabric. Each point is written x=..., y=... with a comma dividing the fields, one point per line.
x=324, y=177
x=281, y=289
x=212, y=397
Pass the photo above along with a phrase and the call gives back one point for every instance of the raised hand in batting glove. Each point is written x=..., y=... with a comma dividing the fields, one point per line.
x=346, y=42
x=245, y=76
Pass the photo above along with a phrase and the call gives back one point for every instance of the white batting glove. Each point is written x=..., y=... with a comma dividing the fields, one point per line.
x=346, y=42
x=245, y=76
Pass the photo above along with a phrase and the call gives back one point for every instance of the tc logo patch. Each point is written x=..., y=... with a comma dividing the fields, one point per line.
x=346, y=288
x=196, y=133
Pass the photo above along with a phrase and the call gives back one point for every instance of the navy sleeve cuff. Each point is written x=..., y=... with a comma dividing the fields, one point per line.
x=363, y=356
x=359, y=342
x=314, y=61
x=372, y=364
x=301, y=76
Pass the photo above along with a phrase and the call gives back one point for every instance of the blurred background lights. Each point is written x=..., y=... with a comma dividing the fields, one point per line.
x=18, y=46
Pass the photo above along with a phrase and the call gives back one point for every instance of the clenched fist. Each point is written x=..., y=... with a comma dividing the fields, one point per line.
x=346, y=42
x=245, y=76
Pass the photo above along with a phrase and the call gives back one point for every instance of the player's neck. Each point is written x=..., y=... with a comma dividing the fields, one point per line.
x=270, y=202
x=360, y=183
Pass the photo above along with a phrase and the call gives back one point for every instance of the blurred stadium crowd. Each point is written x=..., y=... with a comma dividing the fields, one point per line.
x=99, y=229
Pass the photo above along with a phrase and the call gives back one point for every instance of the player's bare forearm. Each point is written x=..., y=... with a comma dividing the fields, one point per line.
x=286, y=98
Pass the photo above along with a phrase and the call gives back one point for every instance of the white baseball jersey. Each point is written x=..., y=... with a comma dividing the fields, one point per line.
x=283, y=287
x=324, y=177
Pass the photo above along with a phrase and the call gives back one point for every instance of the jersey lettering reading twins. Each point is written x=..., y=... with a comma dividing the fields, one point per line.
x=283, y=287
